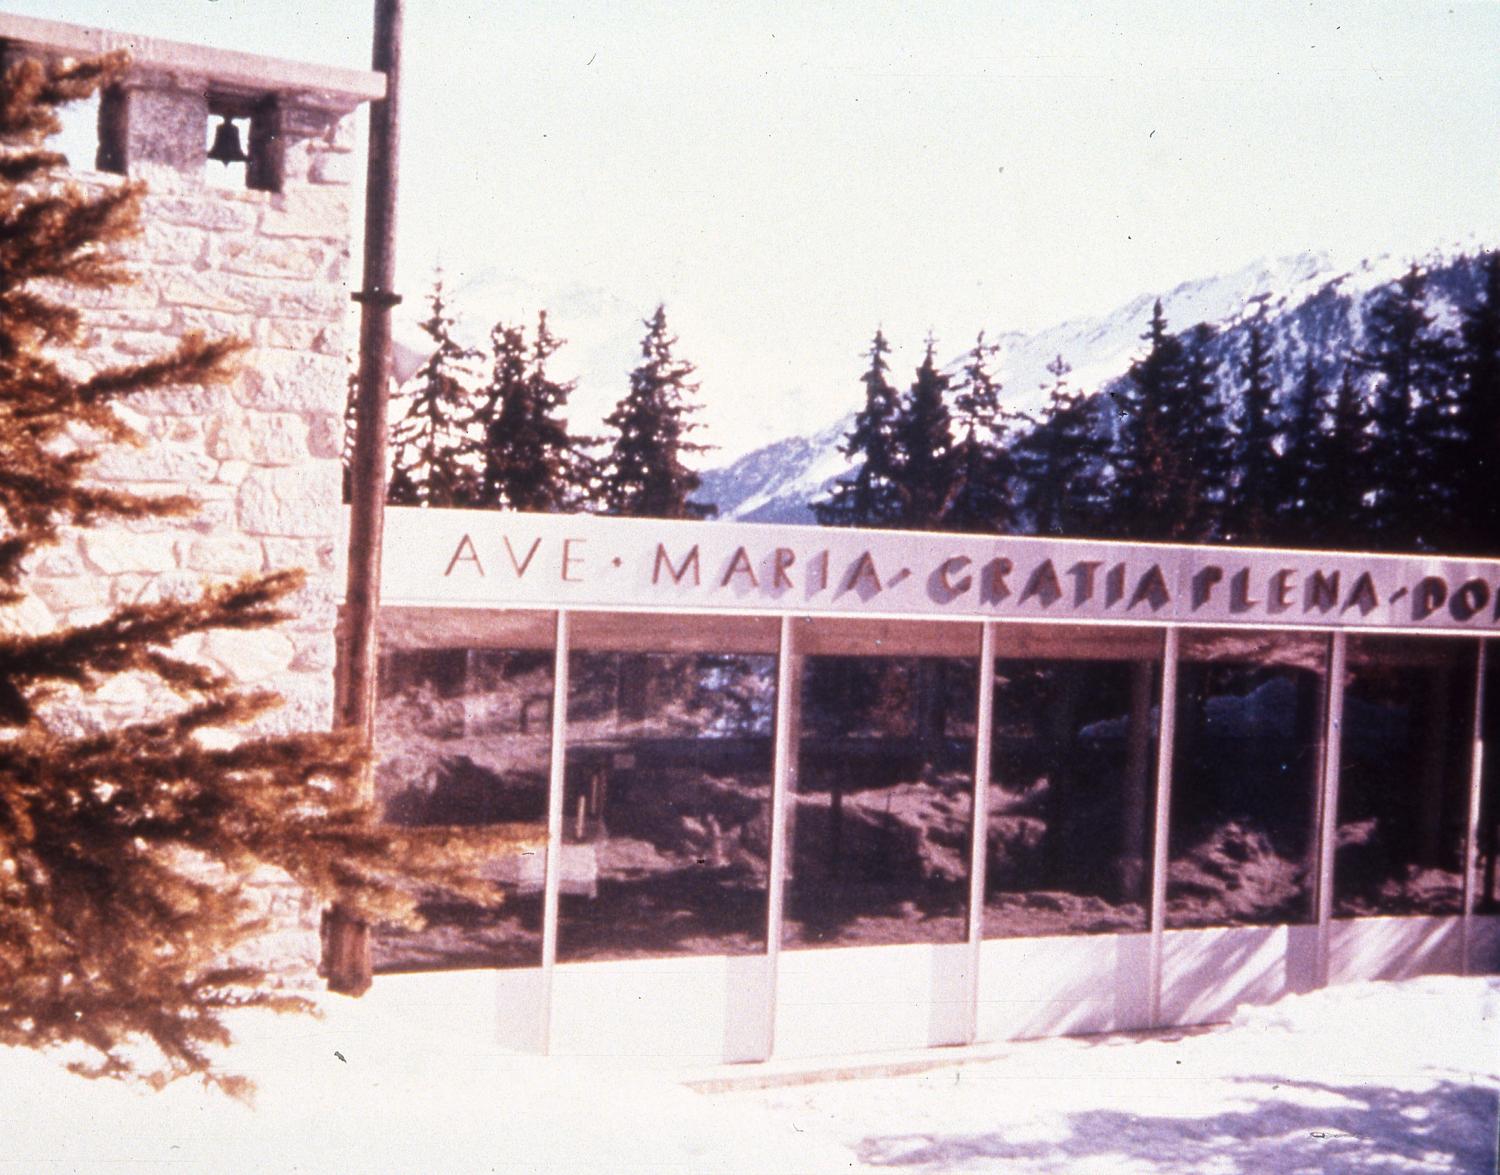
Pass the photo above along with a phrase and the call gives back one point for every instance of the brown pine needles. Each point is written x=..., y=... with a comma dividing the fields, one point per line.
x=126, y=853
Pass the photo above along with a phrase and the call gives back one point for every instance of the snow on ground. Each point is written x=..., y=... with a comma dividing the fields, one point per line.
x=1399, y=1077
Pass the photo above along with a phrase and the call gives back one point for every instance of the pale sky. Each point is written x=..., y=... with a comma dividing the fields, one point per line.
x=789, y=176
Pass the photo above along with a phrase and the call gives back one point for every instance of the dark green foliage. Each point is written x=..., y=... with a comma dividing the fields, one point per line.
x=643, y=474
x=1151, y=459
x=429, y=441
x=1061, y=461
x=1391, y=446
x=868, y=495
x=924, y=448
x=981, y=469
x=527, y=458
x=1475, y=457
x=1409, y=364
x=1252, y=505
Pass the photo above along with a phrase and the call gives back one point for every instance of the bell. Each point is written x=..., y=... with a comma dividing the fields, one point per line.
x=226, y=148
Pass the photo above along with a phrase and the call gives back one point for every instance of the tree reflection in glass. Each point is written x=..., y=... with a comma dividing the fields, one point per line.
x=1246, y=766
x=666, y=812
x=1404, y=779
x=463, y=737
x=1072, y=780
x=881, y=817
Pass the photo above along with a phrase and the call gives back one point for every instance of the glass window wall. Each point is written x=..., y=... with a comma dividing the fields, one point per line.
x=1246, y=769
x=1404, y=778
x=1072, y=780
x=666, y=812
x=463, y=737
x=880, y=820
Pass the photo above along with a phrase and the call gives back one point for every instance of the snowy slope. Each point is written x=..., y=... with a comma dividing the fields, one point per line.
x=1368, y=1077
x=1306, y=300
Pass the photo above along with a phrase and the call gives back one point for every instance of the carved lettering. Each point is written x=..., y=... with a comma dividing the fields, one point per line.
x=1152, y=589
x=1204, y=583
x=689, y=563
x=1469, y=600
x=1083, y=580
x=1322, y=592
x=863, y=570
x=1043, y=584
x=822, y=562
x=524, y=563
x=1114, y=585
x=1239, y=592
x=1431, y=594
x=1363, y=595
x=739, y=565
x=781, y=562
x=465, y=544
x=569, y=559
x=1283, y=583
x=993, y=587
x=946, y=572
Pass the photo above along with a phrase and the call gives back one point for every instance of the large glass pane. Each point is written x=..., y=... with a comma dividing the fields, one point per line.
x=1404, y=778
x=666, y=830
x=880, y=821
x=1487, y=848
x=1072, y=781
x=1246, y=765
x=462, y=737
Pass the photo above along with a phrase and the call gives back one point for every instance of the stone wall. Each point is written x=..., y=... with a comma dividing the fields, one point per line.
x=270, y=265
x=260, y=454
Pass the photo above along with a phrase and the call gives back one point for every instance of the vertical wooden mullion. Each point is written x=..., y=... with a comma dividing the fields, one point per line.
x=1471, y=826
x=557, y=775
x=1328, y=807
x=984, y=737
x=783, y=783
x=1166, y=731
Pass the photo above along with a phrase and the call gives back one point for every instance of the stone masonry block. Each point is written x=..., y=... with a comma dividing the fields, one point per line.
x=108, y=551
x=300, y=501
x=321, y=213
x=249, y=657
x=218, y=214
x=223, y=554
x=274, y=381
x=153, y=463
x=261, y=438
x=325, y=434
x=258, y=257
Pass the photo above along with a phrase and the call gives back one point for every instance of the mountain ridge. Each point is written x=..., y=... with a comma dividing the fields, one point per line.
x=1304, y=299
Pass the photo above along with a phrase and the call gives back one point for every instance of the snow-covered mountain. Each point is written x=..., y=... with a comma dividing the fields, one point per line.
x=1307, y=301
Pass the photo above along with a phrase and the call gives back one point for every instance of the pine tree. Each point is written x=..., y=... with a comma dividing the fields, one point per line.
x=1300, y=472
x=979, y=497
x=1410, y=362
x=1252, y=507
x=924, y=446
x=1475, y=463
x=1204, y=450
x=124, y=846
x=1148, y=459
x=527, y=457
x=1061, y=460
x=429, y=440
x=868, y=495
x=1341, y=511
x=643, y=474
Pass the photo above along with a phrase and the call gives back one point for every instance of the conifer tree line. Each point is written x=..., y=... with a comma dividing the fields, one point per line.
x=489, y=429
x=1389, y=443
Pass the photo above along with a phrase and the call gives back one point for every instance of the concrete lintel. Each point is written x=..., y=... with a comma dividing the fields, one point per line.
x=223, y=70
